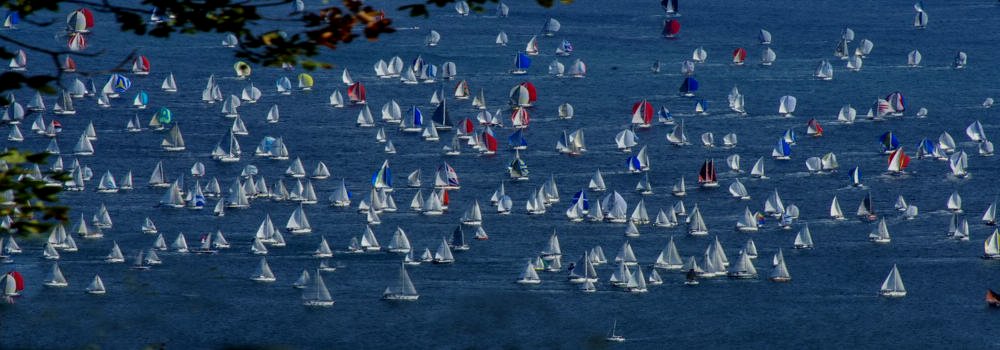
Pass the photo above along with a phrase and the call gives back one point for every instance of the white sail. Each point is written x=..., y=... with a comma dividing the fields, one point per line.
x=893, y=284
x=803, y=240
x=264, y=273
x=403, y=289
x=96, y=286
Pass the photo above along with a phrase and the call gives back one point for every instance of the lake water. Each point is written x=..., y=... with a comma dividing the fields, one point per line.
x=196, y=301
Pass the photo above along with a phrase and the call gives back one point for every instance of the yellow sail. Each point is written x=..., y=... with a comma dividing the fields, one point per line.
x=305, y=81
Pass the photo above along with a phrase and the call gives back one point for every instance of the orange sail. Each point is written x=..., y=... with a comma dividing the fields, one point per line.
x=992, y=299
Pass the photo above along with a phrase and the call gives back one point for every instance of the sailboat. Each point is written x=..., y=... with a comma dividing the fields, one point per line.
x=96, y=286
x=612, y=334
x=679, y=189
x=521, y=64
x=316, y=293
x=303, y=280
x=990, y=216
x=992, y=298
x=399, y=243
x=747, y=222
x=779, y=273
x=696, y=224
x=518, y=169
x=898, y=161
x=707, y=176
x=880, y=234
x=443, y=254
x=961, y=60
x=959, y=162
x=893, y=285
x=501, y=39
x=56, y=278
x=767, y=57
x=955, y=202
x=264, y=273
x=531, y=48
x=115, y=256
x=403, y=290
x=550, y=27
x=781, y=151
x=473, y=216
x=529, y=275
x=743, y=269
x=991, y=247
x=669, y=259
x=174, y=142
x=597, y=182
x=913, y=58
x=803, y=240
x=739, y=55
x=920, y=18
x=824, y=71
x=786, y=105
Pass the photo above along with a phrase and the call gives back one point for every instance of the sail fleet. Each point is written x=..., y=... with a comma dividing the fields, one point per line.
x=616, y=175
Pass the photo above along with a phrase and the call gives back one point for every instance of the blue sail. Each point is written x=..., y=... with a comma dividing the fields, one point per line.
x=664, y=114
x=418, y=64
x=786, y=149
x=120, y=83
x=567, y=46
x=164, y=115
x=517, y=139
x=383, y=176
x=689, y=85
x=268, y=144
x=889, y=141
x=926, y=145
x=143, y=97
x=418, y=117
x=582, y=195
x=703, y=104
x=633, y=163
x=522, y=61
x=13, y=18
x=431, y=71
x=790, y=136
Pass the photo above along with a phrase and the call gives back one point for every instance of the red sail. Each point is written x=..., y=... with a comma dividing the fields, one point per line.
x=707, y=172
x=671, y=27
x=904, y=160
x=532, y=94
x=817, y=129
x=490, y=141
x=356, y=92
x=468, y=127
x=69, y=65
x=647, y=110
x=143, y=63
x=739, y=55
x=89, y=16
x=18, y=279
